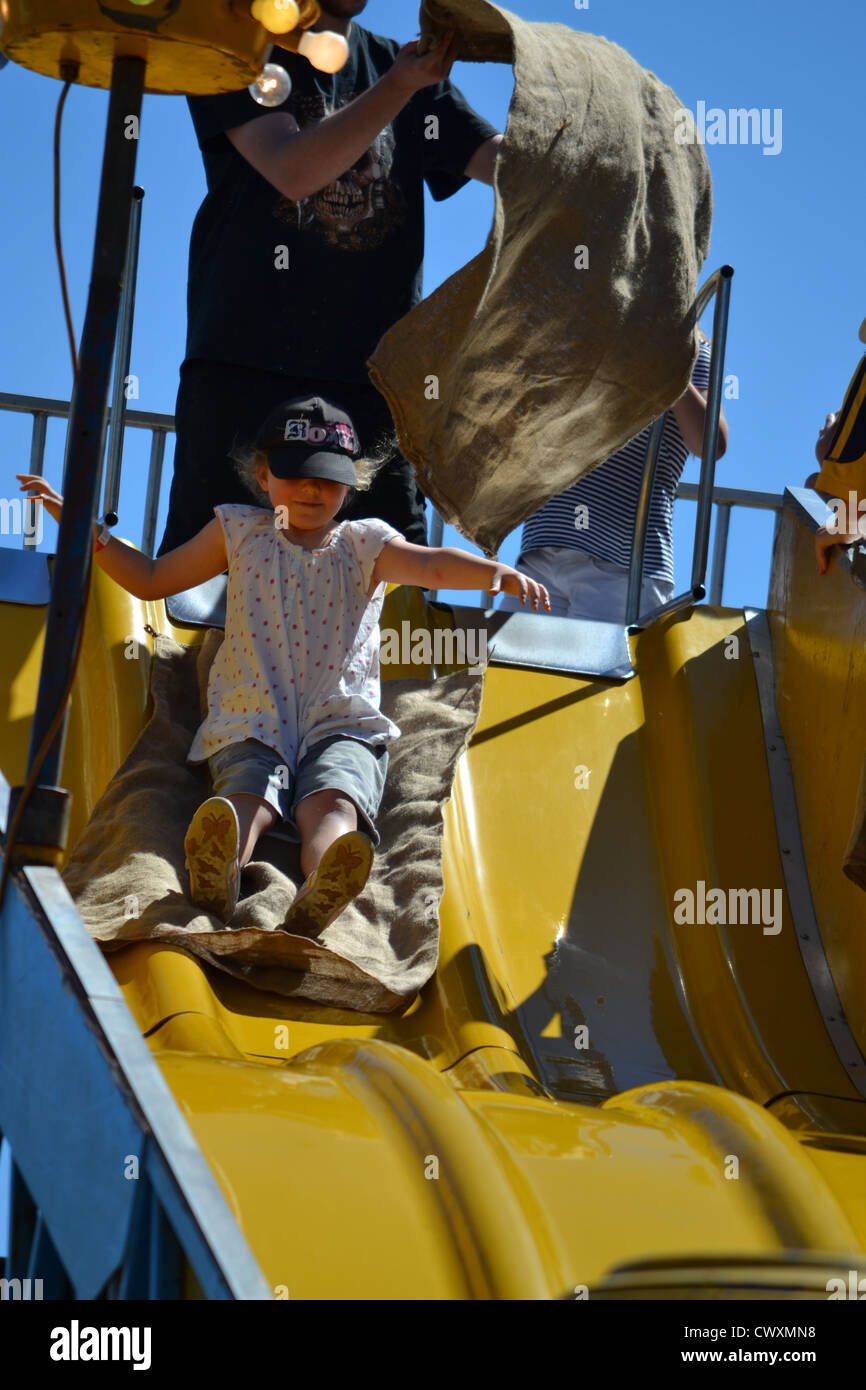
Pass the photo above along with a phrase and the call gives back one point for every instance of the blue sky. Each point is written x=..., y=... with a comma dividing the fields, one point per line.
x=790, y=224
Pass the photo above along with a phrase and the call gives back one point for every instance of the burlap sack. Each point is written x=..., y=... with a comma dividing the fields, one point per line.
x=522, y=371
x=126, y=872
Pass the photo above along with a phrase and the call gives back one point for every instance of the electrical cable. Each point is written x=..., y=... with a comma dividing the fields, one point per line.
x=58, y=244
x=69, y=71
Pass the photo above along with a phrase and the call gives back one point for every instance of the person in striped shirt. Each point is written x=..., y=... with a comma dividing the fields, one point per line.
x=579, y=544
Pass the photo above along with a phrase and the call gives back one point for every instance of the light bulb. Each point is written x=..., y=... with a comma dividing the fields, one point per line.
x=325, y=50
x=277, y=16
x=272, y=88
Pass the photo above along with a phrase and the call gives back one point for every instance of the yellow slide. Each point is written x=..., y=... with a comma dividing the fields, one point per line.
x=638, y=1071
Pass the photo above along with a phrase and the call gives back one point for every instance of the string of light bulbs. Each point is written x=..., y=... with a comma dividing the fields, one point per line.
x=324, y=49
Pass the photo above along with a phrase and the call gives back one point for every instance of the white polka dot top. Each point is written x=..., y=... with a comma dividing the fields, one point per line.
x=300, y=659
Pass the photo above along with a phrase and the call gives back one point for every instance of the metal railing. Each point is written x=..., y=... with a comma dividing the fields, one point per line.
x=41, y=409
x=707, y=496
x=719, y=285
x=723, y=499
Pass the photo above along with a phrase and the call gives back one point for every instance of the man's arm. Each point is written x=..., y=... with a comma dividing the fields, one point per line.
x=483, y=162
x=691, y=410
x=299, y=162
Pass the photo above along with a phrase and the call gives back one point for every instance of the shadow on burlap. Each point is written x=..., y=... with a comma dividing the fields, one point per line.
x=126, y=872
x=543, y=369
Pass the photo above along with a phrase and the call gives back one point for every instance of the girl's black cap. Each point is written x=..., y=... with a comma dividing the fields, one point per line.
x=310, y=437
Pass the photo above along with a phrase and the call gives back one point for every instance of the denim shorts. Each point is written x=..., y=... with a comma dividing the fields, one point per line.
x=340, y=763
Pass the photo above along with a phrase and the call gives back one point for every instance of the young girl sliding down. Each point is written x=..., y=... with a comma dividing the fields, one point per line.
x=294, y=731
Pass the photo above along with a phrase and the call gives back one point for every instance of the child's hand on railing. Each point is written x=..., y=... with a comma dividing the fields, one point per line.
x=44, y=493
x=511, y=581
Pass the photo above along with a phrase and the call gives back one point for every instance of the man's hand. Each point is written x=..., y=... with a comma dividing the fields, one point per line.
x=299, y=161
x=412, y=71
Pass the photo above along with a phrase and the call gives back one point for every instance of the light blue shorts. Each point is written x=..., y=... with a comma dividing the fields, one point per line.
x=583, y=585
x=337, y=763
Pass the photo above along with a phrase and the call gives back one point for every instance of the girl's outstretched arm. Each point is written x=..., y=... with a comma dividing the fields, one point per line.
x=445, y=567
x=190, y=564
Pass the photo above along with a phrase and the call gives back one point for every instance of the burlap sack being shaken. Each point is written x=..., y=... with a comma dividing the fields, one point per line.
x=544, y=370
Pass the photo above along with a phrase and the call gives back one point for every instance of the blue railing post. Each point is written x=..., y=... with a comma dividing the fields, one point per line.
x=37, y=463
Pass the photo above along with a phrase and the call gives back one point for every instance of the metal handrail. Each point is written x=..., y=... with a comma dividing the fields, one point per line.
x=123, y=350
x=719, y=284
x=43, y=408
x=160, y=426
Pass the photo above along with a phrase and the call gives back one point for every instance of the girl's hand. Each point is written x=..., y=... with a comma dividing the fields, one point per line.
x=512, y=581
x=43, y=493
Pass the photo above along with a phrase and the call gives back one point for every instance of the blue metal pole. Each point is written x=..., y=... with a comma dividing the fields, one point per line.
x=121, y=364
x=74, y=557
x=635, y=574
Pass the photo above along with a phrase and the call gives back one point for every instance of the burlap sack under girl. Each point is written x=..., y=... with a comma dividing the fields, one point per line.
x=126, y=872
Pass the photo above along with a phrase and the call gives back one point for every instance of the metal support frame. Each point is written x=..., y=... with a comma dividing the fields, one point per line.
x=43, y=408
x=154, y=478
x=121, y=364
x=66, y=611
x=111, y=1191
x=635, y=574
x=37, y=455
x=719, y=284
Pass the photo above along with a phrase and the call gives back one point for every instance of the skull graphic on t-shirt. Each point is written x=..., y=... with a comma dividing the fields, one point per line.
x=362, y=208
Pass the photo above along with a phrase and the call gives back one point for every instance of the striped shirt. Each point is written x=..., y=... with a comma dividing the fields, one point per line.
x=608, y=498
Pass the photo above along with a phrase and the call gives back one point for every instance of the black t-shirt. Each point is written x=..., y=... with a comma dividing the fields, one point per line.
x=354, y=249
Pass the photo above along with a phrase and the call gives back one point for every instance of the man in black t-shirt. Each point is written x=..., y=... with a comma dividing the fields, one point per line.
x=307, y=248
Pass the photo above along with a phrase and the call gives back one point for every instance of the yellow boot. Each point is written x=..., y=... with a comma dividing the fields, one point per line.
x=212, y=845
x=339, y=877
